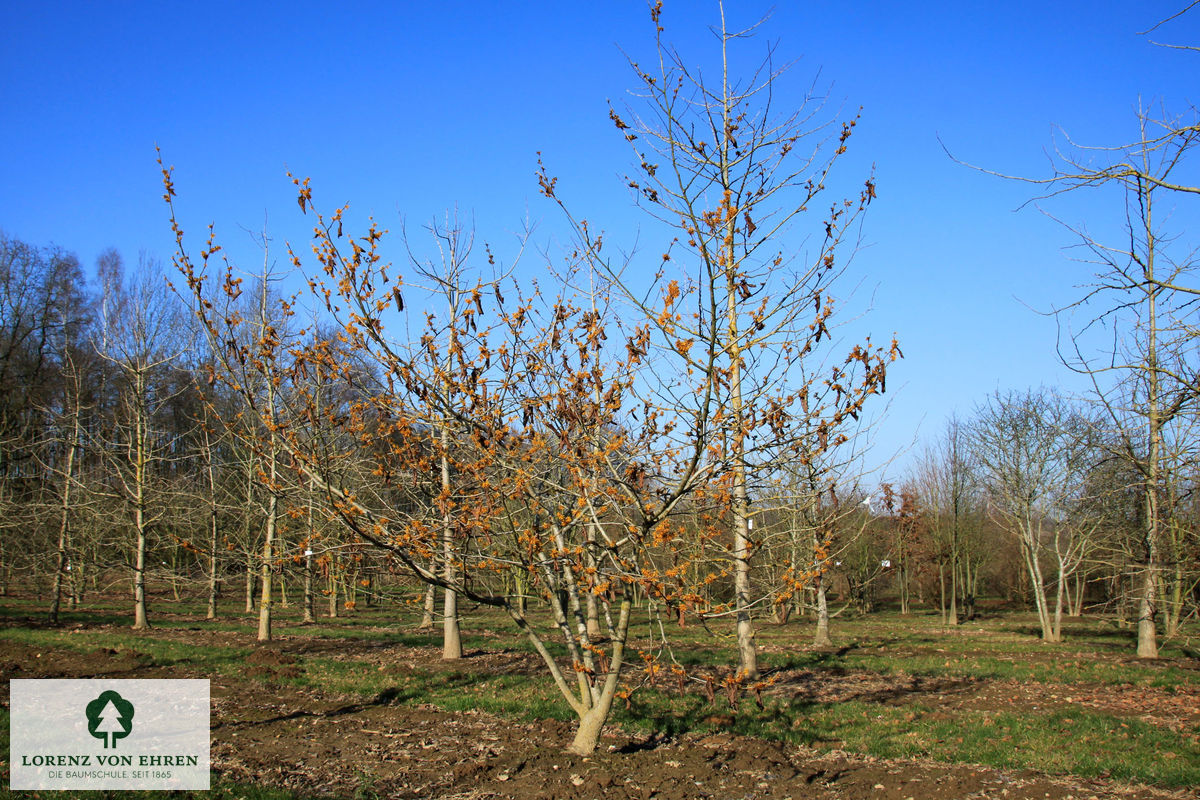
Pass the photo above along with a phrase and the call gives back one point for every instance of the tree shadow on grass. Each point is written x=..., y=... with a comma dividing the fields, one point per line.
x=791, y=694
x=811, y=688
x=393, y=695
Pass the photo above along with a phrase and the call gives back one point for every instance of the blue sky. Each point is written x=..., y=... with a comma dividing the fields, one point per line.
x=408, y=109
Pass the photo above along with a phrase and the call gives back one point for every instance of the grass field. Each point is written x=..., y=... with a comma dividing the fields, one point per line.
x=986, y=693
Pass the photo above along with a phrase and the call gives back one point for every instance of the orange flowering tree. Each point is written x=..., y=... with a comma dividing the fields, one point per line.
x=561, y=480
x=544, y=443
x=737, y=324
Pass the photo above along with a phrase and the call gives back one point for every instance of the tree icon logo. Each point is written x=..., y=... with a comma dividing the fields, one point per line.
x=110, y=717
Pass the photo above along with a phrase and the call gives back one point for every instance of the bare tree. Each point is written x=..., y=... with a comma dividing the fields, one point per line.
x=62, y=463
x=945, y=480
x=1144, y=377
x=140, y=336
x=268, y=339
x=1035, y=452
x=43, y=307
x=1139, y=350
x=215, y=470
x=445, y=342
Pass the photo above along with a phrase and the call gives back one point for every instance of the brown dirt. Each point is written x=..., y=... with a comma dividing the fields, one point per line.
x=329, y=745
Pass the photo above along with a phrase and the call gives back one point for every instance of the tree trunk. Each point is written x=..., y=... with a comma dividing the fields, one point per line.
x=249, y=582
x=451, y=635
x=747, y=650
x=1147, y=644
x=519, y=589
x=970, y=588
x=264, y=599
x=273, y=490
x=60, y=567
x=175, y=574
x=593, y=605
x=591, y=720
x=591, y=725
x=594, y=630
x=902, y=575
x=247, y=525
x=1038, y=587
x=64, y=527
x=213, y=584
x=1060, y=592
x=333, y=588
x=75, y=583
x=429, y=607
x=942, y=593
x=139, y=574
x=822, y=635
x=1174, y=602
x=139, y=509
x=308, y=585
x=955, y=586
x=268, y=552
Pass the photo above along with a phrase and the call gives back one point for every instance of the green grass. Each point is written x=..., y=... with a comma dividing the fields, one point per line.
x=889, y=644
x=1053, y=667
x=1077, y=741
x=146, y=649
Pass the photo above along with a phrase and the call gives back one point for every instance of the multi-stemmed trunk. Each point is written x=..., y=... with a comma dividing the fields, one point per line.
x=599, y=702
x=596, y=687
x=1037, y=583
x=970, y=586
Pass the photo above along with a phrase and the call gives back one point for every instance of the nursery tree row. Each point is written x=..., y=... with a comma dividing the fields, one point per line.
x=680, y=427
